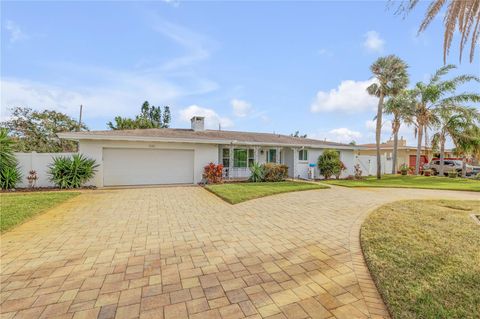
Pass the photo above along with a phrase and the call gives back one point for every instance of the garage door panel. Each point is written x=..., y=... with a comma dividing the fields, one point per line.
x=147, y=166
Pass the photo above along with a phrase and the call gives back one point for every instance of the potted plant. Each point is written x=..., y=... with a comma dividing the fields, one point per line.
x=404, y=169
x=427, y=172
x=32, y=178
x=358, y=171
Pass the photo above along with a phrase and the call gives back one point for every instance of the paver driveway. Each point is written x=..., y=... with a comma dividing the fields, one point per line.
x=182, y=252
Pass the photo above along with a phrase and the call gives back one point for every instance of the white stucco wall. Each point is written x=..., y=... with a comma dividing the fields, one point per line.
x=203, y=153
x=38, y=162
x=346, y=156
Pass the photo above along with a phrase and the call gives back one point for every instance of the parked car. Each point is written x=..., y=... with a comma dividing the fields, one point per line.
x=449, y=165
x=476, y=169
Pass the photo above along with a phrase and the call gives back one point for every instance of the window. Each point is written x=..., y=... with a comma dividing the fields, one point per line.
x=240, y=157
x=251, y=157
x=303, y=155
x=226, y=157
x=272, y=156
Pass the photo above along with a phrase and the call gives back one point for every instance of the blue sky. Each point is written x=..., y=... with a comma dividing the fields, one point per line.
x=254, y=66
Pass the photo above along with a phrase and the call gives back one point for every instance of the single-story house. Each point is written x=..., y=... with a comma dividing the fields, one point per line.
x=405, y=154
x=178, y=156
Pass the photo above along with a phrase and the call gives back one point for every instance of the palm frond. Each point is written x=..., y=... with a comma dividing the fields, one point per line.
x=461, y=98
x=461, y=15
x=441, y=72
x=373, y=89
x=432, y=11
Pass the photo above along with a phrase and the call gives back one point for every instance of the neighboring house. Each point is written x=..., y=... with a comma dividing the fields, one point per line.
x=405, y=154
x=174, y=156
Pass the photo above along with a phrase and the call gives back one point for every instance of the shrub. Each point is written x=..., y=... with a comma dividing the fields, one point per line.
x=274, y=172
x=329, y=163
x=453, y=174
x=213, y=173
x=340, y=170
x=477, y=177
x=9, y=177
x=257, y=173
x=74, y=172
x=9, y=172
x=404, y=169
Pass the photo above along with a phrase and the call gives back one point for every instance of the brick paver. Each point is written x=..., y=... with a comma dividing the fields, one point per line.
x=181, y=252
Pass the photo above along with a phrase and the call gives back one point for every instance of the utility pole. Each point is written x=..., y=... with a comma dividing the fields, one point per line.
x=80, y=118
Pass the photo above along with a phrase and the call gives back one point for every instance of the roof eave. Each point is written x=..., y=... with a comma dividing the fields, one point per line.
x=78, y=137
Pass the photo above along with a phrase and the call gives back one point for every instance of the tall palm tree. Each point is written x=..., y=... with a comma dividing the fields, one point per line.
x=455, y=122
x=391, y=77
x=461, y=15
x=434, y=94
x=402, y=107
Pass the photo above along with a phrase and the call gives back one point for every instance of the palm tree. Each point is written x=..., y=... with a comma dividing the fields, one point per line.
x=455, y=122
x=402, y=107
x=391, y=77
x=431, y=96
x=463, y=15
x=468, y=144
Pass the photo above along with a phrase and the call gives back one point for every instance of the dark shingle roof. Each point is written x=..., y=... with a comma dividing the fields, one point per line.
x=205, y=136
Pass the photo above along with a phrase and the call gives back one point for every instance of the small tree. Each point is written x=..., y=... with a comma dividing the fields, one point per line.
x=37, y=130
x=329, y=163
x=150, y=117
x=297, y=134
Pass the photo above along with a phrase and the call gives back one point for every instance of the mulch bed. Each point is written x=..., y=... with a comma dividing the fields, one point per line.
x=44, y=189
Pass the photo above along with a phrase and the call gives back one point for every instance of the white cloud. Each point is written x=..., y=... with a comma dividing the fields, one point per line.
x=325, y=52
x=14, y=32
x=406, y=131
x=174, y=3
x=373, y=42
x=241, y=108
x=340, y=135
x=371, y=126
x=196, y=45
x=112, y=93
x=98, y=102
x=350, y=96
x=212, y=119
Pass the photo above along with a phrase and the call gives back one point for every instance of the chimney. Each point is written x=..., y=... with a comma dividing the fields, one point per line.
x=198, y=123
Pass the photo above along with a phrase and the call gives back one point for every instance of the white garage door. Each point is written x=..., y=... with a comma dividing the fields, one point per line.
x=127, y=166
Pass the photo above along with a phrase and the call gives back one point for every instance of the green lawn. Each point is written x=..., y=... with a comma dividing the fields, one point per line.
x=425, y=258
x=235, y=193
x=17, y=208
x=409, y=181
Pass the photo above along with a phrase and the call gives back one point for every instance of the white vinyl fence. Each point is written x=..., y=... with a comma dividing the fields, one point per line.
x=368, y=164
x=38, y=162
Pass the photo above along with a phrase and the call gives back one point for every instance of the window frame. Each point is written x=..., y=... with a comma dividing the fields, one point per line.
x=226, y=158
x=250, y=157
x=269, y=155
x=303, y=158
x=236, y=160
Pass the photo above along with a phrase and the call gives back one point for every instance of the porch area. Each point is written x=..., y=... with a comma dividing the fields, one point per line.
x=237, y=159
